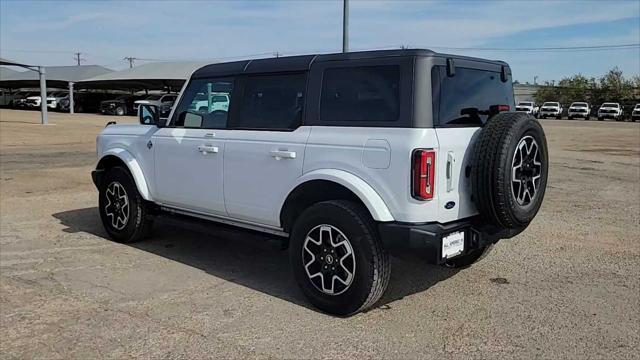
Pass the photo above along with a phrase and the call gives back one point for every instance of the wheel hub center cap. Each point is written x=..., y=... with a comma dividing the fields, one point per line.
x=329, y=259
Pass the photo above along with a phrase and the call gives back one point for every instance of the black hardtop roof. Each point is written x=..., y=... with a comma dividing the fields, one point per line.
x=303, y=62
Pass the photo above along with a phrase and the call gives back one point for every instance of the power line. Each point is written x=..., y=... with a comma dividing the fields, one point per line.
x=559, y=48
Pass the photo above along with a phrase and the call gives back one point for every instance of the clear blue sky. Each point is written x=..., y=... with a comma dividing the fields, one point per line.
x=48, y=32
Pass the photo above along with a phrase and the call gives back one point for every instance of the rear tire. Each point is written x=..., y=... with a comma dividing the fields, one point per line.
x=510, y=167
x=124, y=213
x=331, y=240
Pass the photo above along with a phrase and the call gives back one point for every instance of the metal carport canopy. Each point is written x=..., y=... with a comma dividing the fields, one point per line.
x=42, y=81
x=152, y=76
x=57, y=76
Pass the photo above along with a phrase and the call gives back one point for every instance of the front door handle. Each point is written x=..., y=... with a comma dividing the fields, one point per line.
x=283, y=154
x=207, y=149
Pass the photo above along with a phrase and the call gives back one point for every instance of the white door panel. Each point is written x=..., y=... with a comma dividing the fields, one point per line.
x=260, y=167
x=189, y=169
x=454, y=156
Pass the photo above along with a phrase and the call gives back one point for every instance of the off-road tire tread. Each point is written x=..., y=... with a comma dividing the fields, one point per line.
x=489, y=188
x=143, y=220
x=381, y=262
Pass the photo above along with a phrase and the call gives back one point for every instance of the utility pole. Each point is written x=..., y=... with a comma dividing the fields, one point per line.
x=535, y=80
x=78, y=58
x=345, y=26
x=130, y=59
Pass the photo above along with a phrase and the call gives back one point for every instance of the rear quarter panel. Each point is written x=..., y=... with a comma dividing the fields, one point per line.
x=363, y=153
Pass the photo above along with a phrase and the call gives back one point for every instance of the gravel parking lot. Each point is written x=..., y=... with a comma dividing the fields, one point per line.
x=568, y=287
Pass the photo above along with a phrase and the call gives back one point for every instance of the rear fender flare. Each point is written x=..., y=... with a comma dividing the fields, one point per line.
x=371, y=199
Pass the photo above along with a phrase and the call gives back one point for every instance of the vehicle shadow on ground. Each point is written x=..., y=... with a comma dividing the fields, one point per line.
x=247, y=258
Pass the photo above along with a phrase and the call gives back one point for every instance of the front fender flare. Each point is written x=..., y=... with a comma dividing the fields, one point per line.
x=371, y=199
x=134, y=168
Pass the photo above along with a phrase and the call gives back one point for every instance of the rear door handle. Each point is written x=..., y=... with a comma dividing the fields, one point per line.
x=449, y=170
x=207, y=149
x=283, y=154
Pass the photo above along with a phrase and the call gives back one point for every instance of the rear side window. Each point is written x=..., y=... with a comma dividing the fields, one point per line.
x=271, y=102
x=369, y=93
x=466, y=98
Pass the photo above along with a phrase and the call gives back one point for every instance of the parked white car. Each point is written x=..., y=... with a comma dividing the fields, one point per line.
x=163, y=102
x=211, y=102
x=340, y=155
x=52, y=99
x=610, y=111
x=635, y=114
x=579, y=110
x=551, y=109
x=527, y=107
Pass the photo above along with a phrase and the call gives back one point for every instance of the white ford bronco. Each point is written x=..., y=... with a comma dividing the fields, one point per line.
x=348, y=157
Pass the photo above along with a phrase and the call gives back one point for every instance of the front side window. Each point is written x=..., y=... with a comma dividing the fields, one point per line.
x=466, y=99
x=368, y=93
x=271, y=102
x=200, y=108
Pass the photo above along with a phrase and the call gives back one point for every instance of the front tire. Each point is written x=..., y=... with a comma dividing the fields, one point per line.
x=337, y=257
x=120, y=111
x=124, y=213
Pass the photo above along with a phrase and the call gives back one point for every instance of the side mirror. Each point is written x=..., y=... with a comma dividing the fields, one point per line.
x=149, y=115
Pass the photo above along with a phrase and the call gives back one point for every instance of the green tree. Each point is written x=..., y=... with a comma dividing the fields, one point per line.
x=612, y=86
x=575, y=88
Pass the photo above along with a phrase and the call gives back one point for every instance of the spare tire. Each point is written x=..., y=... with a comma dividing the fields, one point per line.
x=509, y=171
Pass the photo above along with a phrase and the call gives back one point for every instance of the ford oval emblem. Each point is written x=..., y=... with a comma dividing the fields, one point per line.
x=450, y=205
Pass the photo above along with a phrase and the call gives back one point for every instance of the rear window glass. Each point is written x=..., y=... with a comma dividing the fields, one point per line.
x=466, y=98
x=368, y=93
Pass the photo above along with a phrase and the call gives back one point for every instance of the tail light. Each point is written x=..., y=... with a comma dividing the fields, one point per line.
x=423, y=174
x=495, y=109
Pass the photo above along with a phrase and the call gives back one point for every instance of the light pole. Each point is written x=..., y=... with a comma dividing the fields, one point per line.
x=43, y=96
x=345, y=26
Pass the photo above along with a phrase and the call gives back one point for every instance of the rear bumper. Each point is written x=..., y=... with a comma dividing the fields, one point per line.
x=424, y=241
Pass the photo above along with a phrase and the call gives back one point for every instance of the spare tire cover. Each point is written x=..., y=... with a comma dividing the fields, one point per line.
x=509, y=171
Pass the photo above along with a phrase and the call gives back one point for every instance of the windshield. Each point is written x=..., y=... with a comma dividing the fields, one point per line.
x=551, y=104
x=525, y=103
x=579, y=104
x=637, y=106
x=610, y=105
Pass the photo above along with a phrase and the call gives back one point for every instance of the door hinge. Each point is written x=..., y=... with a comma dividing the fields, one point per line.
x=149, y=145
